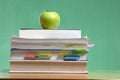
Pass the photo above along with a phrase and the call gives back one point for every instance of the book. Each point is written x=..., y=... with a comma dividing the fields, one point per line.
x=39, y=66
x=36, y=33
x=53, y=55
x=73, y=43
x=51, y=40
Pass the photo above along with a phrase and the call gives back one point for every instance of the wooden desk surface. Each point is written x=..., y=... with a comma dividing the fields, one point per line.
x=97, y=74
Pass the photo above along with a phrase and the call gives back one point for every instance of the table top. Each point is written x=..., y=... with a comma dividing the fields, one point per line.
x=93, y=74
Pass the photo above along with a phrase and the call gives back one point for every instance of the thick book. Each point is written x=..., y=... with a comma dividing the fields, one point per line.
x=44, y=33
x=51, y=40
x=73, y=43
x=52, y=55
x=31, y=66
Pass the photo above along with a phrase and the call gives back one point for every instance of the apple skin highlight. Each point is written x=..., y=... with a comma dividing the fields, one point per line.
x=49, y=20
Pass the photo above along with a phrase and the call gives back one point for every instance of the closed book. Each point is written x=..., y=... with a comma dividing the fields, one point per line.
x=54, y=55
x=42, y=66
x=74, y=43
x=44, y=33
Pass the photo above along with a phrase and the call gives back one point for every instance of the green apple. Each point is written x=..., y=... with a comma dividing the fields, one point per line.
x=49, y=20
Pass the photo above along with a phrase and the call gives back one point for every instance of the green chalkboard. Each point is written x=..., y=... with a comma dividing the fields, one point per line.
x=98, y=19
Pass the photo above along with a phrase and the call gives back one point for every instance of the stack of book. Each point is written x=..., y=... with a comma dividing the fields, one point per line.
x=48, y=51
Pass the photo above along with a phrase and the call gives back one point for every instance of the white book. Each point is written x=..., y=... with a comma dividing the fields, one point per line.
x=56, y=55
x=25, y=43
x=36, y=33
x=62, y=40
x=47, y=66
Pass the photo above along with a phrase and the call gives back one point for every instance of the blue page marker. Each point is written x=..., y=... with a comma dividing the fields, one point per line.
x=71, y=58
